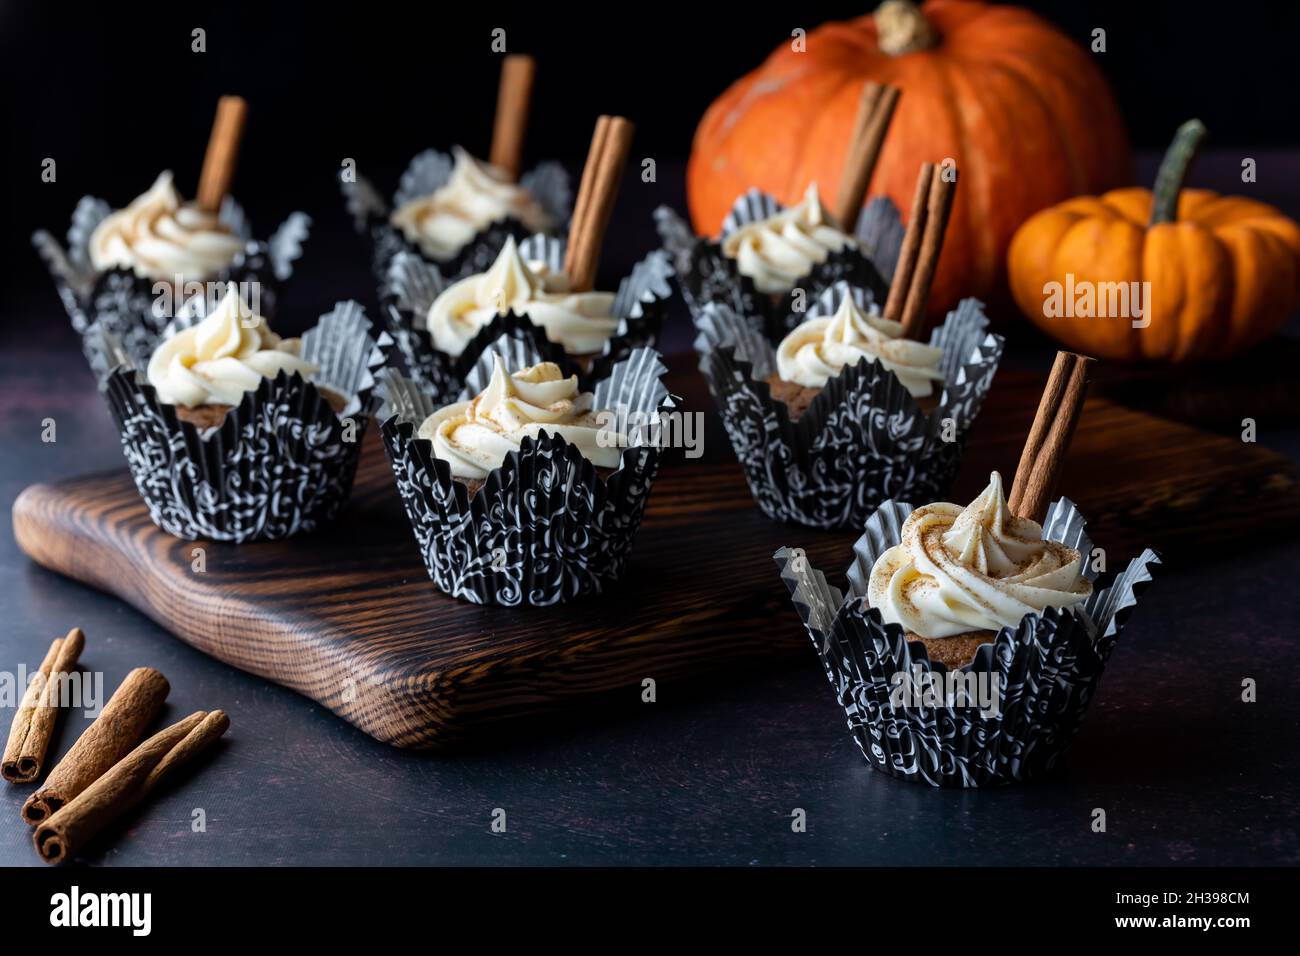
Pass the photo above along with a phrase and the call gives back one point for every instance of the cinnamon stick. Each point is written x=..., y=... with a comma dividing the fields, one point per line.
x=938, y=208
x=1043, y=456
x=911, y=247
x=595, y=203
x=513, y=98
x=875, y=111
x=126, y=783
x=223, y=151
x=115, y=731
x=33, y=726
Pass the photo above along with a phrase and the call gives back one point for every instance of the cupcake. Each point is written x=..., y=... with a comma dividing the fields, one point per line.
x=525, y=491
x=235, y=434
x=844, y=414
x=1029, y=664
x=456, y=211
x=131, y=269
x=443, y=329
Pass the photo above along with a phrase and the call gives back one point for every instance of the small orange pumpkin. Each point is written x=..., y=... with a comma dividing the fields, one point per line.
x=1221, y=272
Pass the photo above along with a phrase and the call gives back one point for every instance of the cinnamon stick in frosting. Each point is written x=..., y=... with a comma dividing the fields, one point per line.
x=114, y=732
x=126, y=783
x=875, y=111
x=918, y=259
x=513, y=99
x=1043, y=457
x=223, y=152
x=33, y=726
x=594, y=206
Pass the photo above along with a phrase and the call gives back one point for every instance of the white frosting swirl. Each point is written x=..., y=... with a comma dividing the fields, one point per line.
x=475, y=196
x=474, y=437
x=219, y=359
x=978, y=568
x=816, y=351
x=779, y=251
x=159, y=237
x=579, y=321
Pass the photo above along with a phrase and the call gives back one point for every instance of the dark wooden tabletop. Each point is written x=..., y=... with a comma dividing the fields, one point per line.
x=709, y=774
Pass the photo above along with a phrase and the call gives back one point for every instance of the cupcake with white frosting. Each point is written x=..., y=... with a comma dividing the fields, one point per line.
x=132, y=269
x=968, y=642
x=443, y=328
x=844, y=413
x=233, y=433
x=777, y=251
x=475, y=196
x=528, y=489
x=456, y=211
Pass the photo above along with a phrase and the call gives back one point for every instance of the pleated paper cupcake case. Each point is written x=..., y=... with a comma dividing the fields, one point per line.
x=864, y=439
x=280, y=463
x=126, y=305
x=1045, y=671
x=547, y=182
x=545, y=528
x=705, y=275
x=412, y=284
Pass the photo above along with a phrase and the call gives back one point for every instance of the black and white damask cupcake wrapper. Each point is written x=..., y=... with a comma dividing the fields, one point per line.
x=545, y=528
x=281, y=462
x=412, y=284
x=131, y=308
x=705, y=275
x=1030, y=687
x=547, y=182
x=864, y=439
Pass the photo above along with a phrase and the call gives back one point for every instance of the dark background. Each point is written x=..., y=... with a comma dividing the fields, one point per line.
x=114, y=94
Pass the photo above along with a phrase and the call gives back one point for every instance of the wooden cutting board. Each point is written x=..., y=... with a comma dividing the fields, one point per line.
x=349, y=618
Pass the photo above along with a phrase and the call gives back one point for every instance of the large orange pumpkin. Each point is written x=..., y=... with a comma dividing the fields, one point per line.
x=1223, y=271
x=1023, y=111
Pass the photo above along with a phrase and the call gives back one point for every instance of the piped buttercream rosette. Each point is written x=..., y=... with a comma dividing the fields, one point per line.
x=133, y=269
x=455, y=211
x=1022, y=698
x=864, y=439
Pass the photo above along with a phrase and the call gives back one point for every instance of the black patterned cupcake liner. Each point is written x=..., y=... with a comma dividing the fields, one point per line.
x=412, y=284
x=547, y=182
x=864, y=439
x=705, y=275
x=545, y=528
x=281, y=462
x=1040, y=676
x=127, y=306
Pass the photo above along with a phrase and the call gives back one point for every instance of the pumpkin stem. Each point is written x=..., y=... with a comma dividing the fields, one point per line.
x=1173, y=170
x=903, y=28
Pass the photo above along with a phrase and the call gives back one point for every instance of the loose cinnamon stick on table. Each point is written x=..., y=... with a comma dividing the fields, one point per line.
x=595, y=203
x=513, y=98
x=33, y=726
x=919, y=256
x=126, y=783
x=875, y=110
x=115, y=731
x=223, y=151
x=1043, y=456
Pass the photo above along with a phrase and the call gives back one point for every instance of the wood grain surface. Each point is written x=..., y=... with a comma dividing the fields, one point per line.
x=349, y=618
